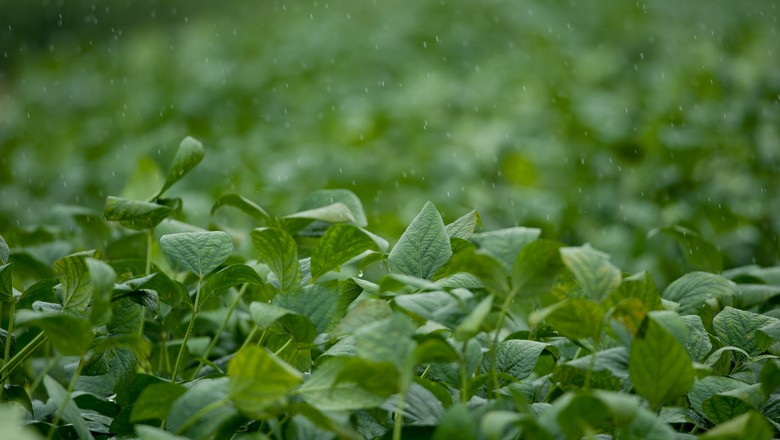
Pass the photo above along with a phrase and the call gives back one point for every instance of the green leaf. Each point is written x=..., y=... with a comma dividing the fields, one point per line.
x=76, y=284
x=768, y=335
x=334, y=213
x=770, y=376
x=748, y=426
x=170, y=292
x=102, y=278
x=339, y=244
x=189, y=154
x=325, y=197
x=329, y=390
x=219, y=282
x=458, y=423
x=487, y=268
x=258, y=380
x=659, y=366
x=632, y=419
x=199, y=252
x=5, y=252
x=247, y=206
x=472, y=324
x=738, y=328
x=464, y=226
x=709, y=386
x=365, y=312
x=146, y=432
x=71, y=413
x=70, y=335
x=135, y=214
x=574, y=318
x=640, y=286
x=318, y=302
x=726, y=405
x=6, y=282
x=517, y=357
x=278, y=250
x=698, y=344
x=155, y=401
x=294, y=324
x=693, y=290
x=504, y=244
x=446, y=308
x=593, y=271
x=536, y=268
x=387, y=340
x=698, y=252
x=424, y=247
x=207, y=399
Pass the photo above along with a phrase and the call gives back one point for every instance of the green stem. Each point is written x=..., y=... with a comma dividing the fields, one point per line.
x=591, y=363
x=249, y=338
x=494, y=348
x=215, y=339
x=399, y=418
x=8, y=336
x=464, y=385
x=147, y=271
x=286, y=344
x=21, y=356
x=39, y=378
x=66, y=398
x=199, y=415
x=180, y=356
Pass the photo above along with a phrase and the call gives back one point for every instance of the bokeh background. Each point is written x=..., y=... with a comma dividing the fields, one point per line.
x=596, y=121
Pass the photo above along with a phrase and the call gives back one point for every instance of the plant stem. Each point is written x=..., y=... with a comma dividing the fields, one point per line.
x=592, y=362
x=215, y=339
x=399, y=418
x=249, y=338
x=147, y=271
x=20, y=357
x=199, y=415
x=494, y=347
x=66, y=399
x=286, y=344
x=195, y=310
x=463, y=379
x=39, y=378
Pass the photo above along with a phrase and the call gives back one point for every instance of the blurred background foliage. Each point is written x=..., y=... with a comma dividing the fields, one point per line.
x=597, y=122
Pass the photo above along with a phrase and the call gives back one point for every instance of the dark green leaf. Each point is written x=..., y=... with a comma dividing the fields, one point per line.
x=738, y=328
x=279, y=251
x=76, y=284
x=748, y=426
x=219, y=282
x=387, y=340
x=5, y=252
x=536, y=268
x=102, y=278
x=709, y=386
x=464, y=226
x=698, y=344
x=574, y=318
x=640, y=286
x=247, y=206
x=693, y=290
x=339, y=244
x=135, y=214
x=155, y=401
x=258, y=379
x=698, y=252
x=189, y=154
x=294, y=324
x=16, y=393
x=6, y=282
x=328, y=389
x=458, y=423
x=424, y=247
x=200, y=252
x=71, y=413
x=504, y=244
x=472, y=324
x=200, y=395
x=365, y=312
x=659, y=366
x=517, y=357
x=318, y=302
x=593, y=271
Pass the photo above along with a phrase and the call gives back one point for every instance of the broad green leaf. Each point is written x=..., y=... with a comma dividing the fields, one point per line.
x=593, y=271
x=71, y=414
x=698, y=344
x=6, y=282
x=170, y=292
x=446, y=308
x=74, y=277
x=70, y=335
x=421, y=406
x=693, y=290
x=328, y=390
x=199, y=252
x=334, y=213
x=536, y=268
x=294, y=324
x=325, y=197
x=5, y=252
x=279, y=251
x=17, y=394
x=189, y=154
x=750, y=295
x=517, y=357
x=768, y=335
x=102, y=278
x=258, y=380
x=424, y=247
x=155, y=401
x=574, y=318
x=135, y=214
x=738, y=328
x=457, y=423
x=484, y=266
x=770, y=376
x=472, y=324
x=146, y=432
x=219, y=282
x=387, y=340
x=609, y=370
x=364, y=313
x=748, y=426
x=318, y=302
x=340, y=243
x=247, y=206
x=728, y=404
x=709, y=386
x=208, y=400
x=659, y=366
x=632, y=419
x=698, y=252
x=504, y=244
x=433, y=347
x=464, y=226
x=640, y=286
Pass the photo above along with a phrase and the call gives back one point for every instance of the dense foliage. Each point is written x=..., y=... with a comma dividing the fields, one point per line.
x=173, y=330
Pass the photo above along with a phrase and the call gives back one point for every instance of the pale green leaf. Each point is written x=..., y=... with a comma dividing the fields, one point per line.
x=697, y=251
x=325, y=197
x=199, y=252
x=247, y=206
x=71, y=414
x=325, y=391
x=189, y=154
x=339, y=244
x=574, y=318
x=258, y=379
x=592, y=270
x=457, y=423
x=474, y=321
x=748, y=426
x=102, y=278
x=464, y=226
x=693, y=290
x=387, y=340
x=424, y=247
x=504, y=244
x=70, y=335
x=738, y=328
x=279, y=251
x=155, y=401
x=211, y=393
